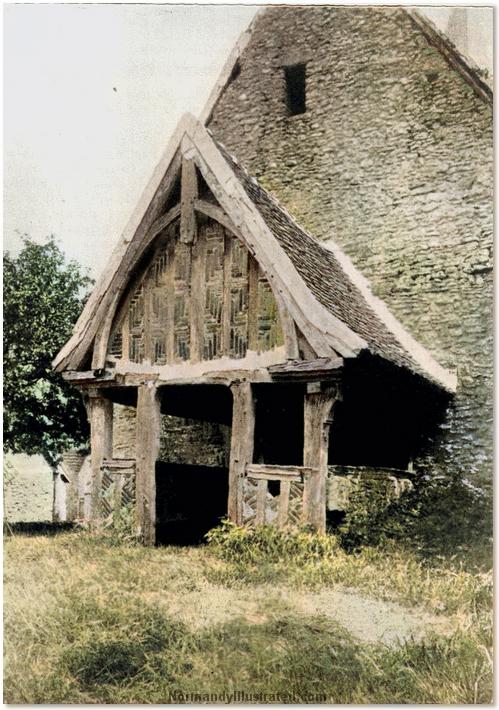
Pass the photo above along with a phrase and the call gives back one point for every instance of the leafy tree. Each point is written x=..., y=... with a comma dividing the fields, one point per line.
x=43, y=296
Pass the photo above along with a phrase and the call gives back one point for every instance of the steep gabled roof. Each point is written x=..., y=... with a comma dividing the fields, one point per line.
x=340, y=287
x=324, y=294
x=464, y=66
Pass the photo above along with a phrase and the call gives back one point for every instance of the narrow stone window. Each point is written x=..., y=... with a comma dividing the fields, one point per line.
x=295, y=89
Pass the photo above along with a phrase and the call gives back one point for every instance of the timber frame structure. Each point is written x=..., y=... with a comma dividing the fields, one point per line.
x=214, y=284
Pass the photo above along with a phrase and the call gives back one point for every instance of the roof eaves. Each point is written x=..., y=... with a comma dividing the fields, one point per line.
x=417, y=352
x=465, y=66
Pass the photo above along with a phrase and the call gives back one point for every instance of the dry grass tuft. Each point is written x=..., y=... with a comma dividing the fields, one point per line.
x=86, y=621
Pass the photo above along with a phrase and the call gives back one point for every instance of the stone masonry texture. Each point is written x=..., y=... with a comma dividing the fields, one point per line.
x=183, y=441
x=392, y=160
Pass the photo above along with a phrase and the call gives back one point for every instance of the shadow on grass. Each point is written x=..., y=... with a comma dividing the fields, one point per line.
x=140, y=655
x=40, y=528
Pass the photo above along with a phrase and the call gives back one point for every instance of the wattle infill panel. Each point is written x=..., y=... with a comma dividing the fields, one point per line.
x=239, y=311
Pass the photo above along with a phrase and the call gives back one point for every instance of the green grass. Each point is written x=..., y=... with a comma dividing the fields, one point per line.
x=90, y=621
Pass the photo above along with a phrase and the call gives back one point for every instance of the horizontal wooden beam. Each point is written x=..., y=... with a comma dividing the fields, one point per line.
x=89, y=377
x=271, y=472
x=118, y=464
x=162, y=223
x=216, y=213
x=135, y=379
x=308, y=370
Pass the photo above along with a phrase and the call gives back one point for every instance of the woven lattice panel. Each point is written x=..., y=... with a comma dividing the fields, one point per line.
x=269, y=327
x=156, y=321
x=238, y=339
x=128, y=489
x=182, y=296
x=249, y=501
x=108, y=492
x=136, y=326
x=116, y=344
x=214, y=276
x=250, y=488
x=295, y=505
x=159, y=301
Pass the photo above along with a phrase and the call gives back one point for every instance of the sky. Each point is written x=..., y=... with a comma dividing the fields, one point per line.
x=92, y=94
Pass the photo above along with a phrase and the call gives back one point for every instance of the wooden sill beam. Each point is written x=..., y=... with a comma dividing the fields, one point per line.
x=118, y=464
x=271, y=472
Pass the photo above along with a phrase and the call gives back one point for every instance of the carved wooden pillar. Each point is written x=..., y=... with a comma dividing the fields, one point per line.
x=241, y=446
x=100, y=414
x=147, y=450
x=317, y=415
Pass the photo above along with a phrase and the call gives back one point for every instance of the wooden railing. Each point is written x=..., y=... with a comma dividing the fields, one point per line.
x=290, y=499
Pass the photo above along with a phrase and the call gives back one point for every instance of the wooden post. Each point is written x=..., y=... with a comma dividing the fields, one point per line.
x=198, y=296
x=147, y=449
x=282, y=511
x=189, y=192
x=241, y=446
x=317, y=412
x=100, y=411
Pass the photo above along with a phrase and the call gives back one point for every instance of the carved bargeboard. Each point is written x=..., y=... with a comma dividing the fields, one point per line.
x=238, y=309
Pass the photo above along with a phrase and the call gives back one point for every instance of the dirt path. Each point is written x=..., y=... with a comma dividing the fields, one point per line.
x=367, y=619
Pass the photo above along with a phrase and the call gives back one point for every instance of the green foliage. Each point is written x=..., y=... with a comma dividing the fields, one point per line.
x=121, y=525
x=306, y=560
x=266, y=542
x=439, y=516
x=90, y=623
x=43, y=297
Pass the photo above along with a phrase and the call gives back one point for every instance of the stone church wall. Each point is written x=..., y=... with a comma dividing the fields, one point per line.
x=183, y=441
x=393, y=160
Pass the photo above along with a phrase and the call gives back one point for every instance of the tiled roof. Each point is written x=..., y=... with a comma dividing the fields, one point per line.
x=324, y=275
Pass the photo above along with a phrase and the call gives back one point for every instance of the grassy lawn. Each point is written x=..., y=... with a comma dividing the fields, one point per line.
x=90, y=621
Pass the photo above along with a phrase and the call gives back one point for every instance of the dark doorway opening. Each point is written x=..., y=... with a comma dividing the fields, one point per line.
x=190, y=500
x=279, y=424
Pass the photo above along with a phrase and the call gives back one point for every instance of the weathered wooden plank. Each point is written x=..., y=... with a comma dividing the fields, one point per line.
x=241, y=445
x=102, y=336
x=253, y=304
x=186, y=373
x=226, y=295
x=277, y=472
x=161, y=223
x=261, y=501
x=125, y=337
x=84, y=376
x=317, y=412
x=100, y=412
x=308, y=366
x=276, y=476
x=323, y=330
x=282, y=511
x=189, y=192
x=147, y=449
x=170, y=303
x=320, y=369
x=216, y=213
x=101, y=341
x=147, y=337
x=198, y=297
x=118, y=464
